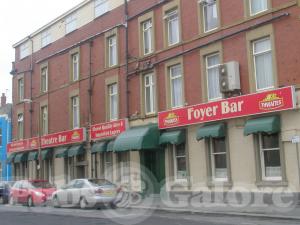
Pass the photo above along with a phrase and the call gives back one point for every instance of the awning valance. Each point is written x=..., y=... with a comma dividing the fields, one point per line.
x=110, y=146
x=172, y=137
x=99, y=147
x=269, y=125
x=137, y=138
x=211, y=131
x=61, y=152
x=21, y=157
x=11, y=157
x=47, y=153
x=75, y=150
x=33, y=156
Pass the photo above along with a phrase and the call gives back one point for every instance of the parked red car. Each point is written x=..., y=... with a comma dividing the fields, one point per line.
x=31, y=192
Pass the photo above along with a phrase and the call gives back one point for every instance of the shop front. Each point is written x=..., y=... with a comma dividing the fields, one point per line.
x=241, y=142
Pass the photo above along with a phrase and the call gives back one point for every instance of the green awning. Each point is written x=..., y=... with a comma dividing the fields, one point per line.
x=99, y=147
x=110, y=146
x=137, y=138
x=172, y=137
x=61, y=152
x=211, y=131
x=33, y=156
x=11, y=157
x=269, y=125
x=75, y=150
x=21, y=157
x=47, y=153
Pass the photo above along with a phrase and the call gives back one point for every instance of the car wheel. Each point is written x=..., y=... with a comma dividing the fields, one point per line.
x=112, y=205
x=30, y=202
x=11, y=200
x=83, y=203
x=56, y=203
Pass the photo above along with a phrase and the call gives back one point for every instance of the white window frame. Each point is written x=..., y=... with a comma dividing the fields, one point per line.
x=171, y=77
x=75, y=111
x=24, y=50
x=20, y=126
x=44, y=118
x=75, y=66
x=147, y=30
x=204, y=7
x=112, y=50
x=207, y=68
x=175, y=157
x=21, y=89
x=46, y=38
x=71, y=23
x=124, y=167
x=113, y=99
x=212, y=155
x=258, y=12
x=262, y=160
x=269, y=51
x=44, y=78
x=101, y=7
x=108, y=166
x=169, y=18
x=152, y=97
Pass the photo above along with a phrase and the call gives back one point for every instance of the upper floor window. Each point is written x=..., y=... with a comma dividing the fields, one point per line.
x=149, y=85
x=21, y=89
x=75, y=112
x=172, y=26
x=113, y=101
x=210, y=15
x=44, y=79
x=46, y=38
x=24, y=50
x=263, y=65
x=175, y=73
x=112, y=50
x=101, y=7
x=258, y=6
x=20, y=130
x=71, y=23
x=212, y=73
x=75, y=66
x=44, y=118
x=147, y=36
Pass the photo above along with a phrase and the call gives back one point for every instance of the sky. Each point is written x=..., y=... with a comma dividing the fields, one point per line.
x=18, y=19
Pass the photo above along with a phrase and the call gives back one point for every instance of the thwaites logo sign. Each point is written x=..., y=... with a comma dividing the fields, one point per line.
x=47, y=141
x=108, y=130
x=246, y=105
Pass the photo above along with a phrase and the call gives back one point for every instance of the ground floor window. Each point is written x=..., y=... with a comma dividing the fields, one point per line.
x=180, y=165
x=108, y=166
x=218, y=159
x=123, y=167
x=95, y=165
x=48, y=169
x=270, y=156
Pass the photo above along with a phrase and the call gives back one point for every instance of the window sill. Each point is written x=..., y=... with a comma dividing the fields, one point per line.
x=213, y=184
x=267, y=183
x=99, y=16
x=47, y=45
x=71, y=32
x=179, y=184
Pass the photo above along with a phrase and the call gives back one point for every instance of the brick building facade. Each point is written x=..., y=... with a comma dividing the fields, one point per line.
x=106, y=61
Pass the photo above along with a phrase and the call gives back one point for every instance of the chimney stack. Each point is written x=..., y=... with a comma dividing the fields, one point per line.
x=3, y=100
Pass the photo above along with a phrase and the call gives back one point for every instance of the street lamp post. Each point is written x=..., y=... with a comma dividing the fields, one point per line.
x=40, y=165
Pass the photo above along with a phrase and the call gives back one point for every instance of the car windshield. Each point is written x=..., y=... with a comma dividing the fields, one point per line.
x=41, y=184
x=99, y=182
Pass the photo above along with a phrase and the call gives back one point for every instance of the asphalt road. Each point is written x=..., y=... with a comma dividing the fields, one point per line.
x=20, y=215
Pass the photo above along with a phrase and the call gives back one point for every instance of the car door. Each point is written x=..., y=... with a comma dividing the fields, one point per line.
x=62, y=194
x=74, y=193
x=24, y=192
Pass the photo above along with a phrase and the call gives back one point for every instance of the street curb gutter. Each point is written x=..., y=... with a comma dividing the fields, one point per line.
x=209, y=213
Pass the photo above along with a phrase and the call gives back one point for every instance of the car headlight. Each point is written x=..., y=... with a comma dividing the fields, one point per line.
x=39, y=194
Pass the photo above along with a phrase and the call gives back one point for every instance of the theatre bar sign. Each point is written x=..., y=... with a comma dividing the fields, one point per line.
x=47, y=141
x=245, y=105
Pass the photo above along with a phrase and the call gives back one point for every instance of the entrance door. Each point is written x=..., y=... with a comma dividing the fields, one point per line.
x=154, y=169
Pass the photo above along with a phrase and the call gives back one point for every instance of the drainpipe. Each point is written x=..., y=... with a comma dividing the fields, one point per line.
x=126, y=58
x=31, y=72
x=90, y=93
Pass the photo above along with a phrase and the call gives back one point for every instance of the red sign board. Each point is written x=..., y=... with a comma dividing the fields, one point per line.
x=107, y=130
x=252, y=104
x=51, y=140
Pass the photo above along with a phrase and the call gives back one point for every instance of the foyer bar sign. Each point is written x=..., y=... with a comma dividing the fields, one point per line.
x=107, y=130
x=245, y=105
x=47, y=141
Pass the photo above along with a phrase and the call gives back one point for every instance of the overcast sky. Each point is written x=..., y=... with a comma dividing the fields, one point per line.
x=18, y=19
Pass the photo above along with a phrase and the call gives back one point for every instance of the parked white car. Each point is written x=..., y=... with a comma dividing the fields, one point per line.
x=87, y=193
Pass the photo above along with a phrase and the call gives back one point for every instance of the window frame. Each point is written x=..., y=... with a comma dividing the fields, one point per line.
x=207, y=68
x=20, y=126
x=152, y=86
x=205, y=19
x=70, y=23
x=149, y=31
x=98, y=4
x=75, y=108
x=75, y=78
x=169, y=13
x=112, y=48
x=44, y=120
x=171, y=85
x=21, y=89
x=24, y=50
x=46, y=38
x=175, y=166
x=113, y=96
x=256, y=13
x=44, y=78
